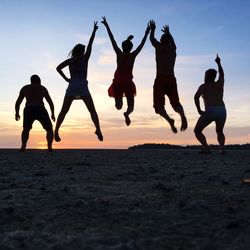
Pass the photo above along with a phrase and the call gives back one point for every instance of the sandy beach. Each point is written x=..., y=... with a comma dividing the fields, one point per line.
x=124, y=199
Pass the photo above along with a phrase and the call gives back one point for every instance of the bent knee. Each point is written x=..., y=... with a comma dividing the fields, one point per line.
x=177, y=107
x=49, y=130
x=131, y=108
x=118, y=105
x=27, y=129
x=219, y=131
x=64, y=111
x=158, y=109
x=197, y=131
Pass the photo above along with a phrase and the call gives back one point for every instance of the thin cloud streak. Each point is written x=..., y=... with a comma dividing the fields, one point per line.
x=107, y=57
x=85, y=38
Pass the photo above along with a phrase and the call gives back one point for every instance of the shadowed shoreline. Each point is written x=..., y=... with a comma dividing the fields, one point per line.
x=187, y=147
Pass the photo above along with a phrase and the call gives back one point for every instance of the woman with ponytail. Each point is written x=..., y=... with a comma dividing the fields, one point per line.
x=78, y=84
x=123, y=84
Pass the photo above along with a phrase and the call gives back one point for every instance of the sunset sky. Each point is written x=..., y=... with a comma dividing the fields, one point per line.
x=37, y=35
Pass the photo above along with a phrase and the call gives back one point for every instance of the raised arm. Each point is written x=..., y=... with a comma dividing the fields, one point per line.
x=60, y=67
x=91, y=39
x=153, y=41
x=220, y=69
x=18, y=103
x=165, y=30
x=197, y=99
x=112, y=39
x=51, y=105
x=139, y=48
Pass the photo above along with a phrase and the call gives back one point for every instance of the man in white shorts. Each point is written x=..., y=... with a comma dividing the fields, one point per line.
x=212, y=93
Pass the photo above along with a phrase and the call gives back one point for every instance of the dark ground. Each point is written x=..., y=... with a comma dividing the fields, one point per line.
x=124, y=199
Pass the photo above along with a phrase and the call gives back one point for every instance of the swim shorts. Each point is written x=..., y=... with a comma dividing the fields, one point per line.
x=32, y=113
x=215, y=113
x=165, y=85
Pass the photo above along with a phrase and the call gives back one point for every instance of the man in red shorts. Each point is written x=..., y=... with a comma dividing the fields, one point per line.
x=165, y=82
x=35, y=110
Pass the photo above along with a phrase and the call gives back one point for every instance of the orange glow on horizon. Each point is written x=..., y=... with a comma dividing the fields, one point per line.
x=81, y=135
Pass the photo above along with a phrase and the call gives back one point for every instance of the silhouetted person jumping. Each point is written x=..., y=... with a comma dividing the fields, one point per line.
x=123, y=84
x=35, y=110
x=165, y=82
x=78, y=84
x=212, y=93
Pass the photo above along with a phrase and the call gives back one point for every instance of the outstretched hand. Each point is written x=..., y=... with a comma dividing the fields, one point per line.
x=148, y=28
x=17, y=117
x=104, y=21
x=95, y=25
x=201, y=112
x=152, y=24
x=165, y=29
x=217, y=59
x=53, y=117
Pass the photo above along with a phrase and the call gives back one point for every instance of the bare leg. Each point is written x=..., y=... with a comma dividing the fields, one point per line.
x=24, y=138
x=130, y=109
x=65, y=108
x=184, y=123
x=200, y=125
x=220, y=134
x=162, y=112
x=49, y=137
x=91, y=108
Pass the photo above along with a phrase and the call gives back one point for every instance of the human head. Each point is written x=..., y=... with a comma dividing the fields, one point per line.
x=127, y=45
x=210, y=75
x=35, y=79
x=165, y=38
x=78, y=50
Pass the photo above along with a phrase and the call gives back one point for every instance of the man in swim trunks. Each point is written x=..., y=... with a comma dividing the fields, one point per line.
x=212, y=93
x=35, y=110
x=165, y=82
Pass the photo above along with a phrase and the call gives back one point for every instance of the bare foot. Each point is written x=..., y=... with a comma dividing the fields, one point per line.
x=171, y=123
x=127, y=119
x=184, y=124
x=57, y=137
x=99, y=135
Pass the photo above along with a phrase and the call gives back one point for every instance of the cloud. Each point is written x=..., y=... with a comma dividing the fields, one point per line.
x=194, y=60
x=82, y=37
x=85, y=38
x=52, y=65
x=100, y=40
x=107, y=57
x=210, y=32
x=146, y=59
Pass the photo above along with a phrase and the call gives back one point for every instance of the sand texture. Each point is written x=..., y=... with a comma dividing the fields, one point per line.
x=124, y=199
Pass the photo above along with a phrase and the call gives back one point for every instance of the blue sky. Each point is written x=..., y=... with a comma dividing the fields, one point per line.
x=37, y=35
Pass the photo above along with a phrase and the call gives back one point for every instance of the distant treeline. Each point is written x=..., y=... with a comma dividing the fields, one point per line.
x=169, y=146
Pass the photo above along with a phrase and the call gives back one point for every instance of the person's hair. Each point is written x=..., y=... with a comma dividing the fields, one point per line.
x=34, y=79
x=165, y=38
x=127, y=45
x=210, y=75
x=77, y=50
